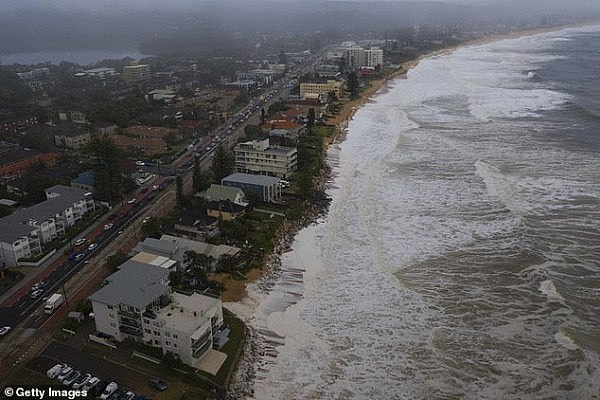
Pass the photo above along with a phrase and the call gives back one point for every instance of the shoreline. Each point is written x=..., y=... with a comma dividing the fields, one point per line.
x=247, y=307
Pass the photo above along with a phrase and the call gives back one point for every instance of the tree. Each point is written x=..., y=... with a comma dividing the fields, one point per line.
x=252, y=132
x=198, y=264
x=152, y=228
x=200, y=179
x=227, y=263
x=310, y=116
x=223, y=164
x=331, y=97
x=112, y=262
x=353, y=84
x=179, y=190
x=305, y=184
x=106, y=157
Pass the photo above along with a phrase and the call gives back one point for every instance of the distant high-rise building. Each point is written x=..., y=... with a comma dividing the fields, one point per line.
x=373, y=57
x=136, y=73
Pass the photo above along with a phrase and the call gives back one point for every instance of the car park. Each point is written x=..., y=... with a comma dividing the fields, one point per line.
x=36, y=293
x=158, y=384
x=4, y=330
x=70, y=378
x=82, y=380
x=110, y=389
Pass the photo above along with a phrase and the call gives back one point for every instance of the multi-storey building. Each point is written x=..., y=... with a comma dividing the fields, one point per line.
x=136, y=73
x=23, y=232
x=373, y=57
x=138, y=304
x=15, y=162
x=316, y=89
x=259, y=157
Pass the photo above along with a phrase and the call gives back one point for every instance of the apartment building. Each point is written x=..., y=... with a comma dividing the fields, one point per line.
x=259, y=157
x=136, y=73
x=316, y=89
x=72, y=138
x=23, y=232
x=14, y=162
x=266, y=188
x=373, y=57
x=137, y=303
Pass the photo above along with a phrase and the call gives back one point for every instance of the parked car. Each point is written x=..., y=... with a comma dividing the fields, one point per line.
x=82, y=380
x=91, y=383
x=110, y=389
x=158, y=384
x=66, y=371
x=92, y=246
x=97, y=390
x=79, y=241
x=129, y=395
x=155, y=187
x=140, y=163
x=70, y=378
x=54, y=371
x=116, y=395
x=36, y=293
x=4, y=330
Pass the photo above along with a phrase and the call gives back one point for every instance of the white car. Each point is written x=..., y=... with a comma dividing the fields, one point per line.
x=56, y=370
x=79, y=241
x=110, y=389
x=128, y=396
x=66, y=371
x=108, y=226
x=4, y=330
x=140, y=163
x=71, y=377
x=131, y=201
x=92, y=246
x=145, y=220
x=155, y=187
x=93, y=381
x=82, y=380
x=36, y=293
x=37, y=286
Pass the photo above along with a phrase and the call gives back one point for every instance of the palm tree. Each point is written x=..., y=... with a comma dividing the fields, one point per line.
x=199, y=264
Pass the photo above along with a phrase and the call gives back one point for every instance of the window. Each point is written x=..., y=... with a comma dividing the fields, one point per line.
x=157, y=342
x=111, y=315
x=157, y=333
x=168, y=343
x=174, y=336
x=110, y=307
x=112, y=324
x=167, y=334
x=174, y=344
x=147, y=331
x=146, y=321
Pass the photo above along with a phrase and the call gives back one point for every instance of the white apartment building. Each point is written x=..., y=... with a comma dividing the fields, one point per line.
x=373, y=57
x=258, y=157
x=137, y=303
x=136, y=73
x=357, y=57
x=23, y=232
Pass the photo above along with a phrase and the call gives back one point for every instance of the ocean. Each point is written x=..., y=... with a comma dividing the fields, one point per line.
x=460, y=258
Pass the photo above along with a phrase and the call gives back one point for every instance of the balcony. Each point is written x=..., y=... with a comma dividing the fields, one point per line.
x=129, y=314
x=131, y=322
x=131, y=331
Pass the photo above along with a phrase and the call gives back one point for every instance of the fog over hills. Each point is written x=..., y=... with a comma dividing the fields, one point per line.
x=204, y=25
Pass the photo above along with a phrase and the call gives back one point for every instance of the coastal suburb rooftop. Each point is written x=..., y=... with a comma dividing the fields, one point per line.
x=135, y=284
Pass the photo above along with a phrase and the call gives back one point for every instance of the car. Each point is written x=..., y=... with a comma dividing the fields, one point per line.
x=82, y=380
x=38, y=285
x=36, y=293
x=66, y=371
x=70, y=378
x=140, y=397
x=129, y=395
x=108, y=226
x=158, y=384
x=79, y=256
x=131, y=201
x=79, y=241
x=91, y=383
x=140, y=163
x=145, y=220
x=155, y=187
x=4, y=330
x=110, y=389
x=97, y=390
x=92, y=246
x=55, y=371
x=116, y=395
x=120, y=232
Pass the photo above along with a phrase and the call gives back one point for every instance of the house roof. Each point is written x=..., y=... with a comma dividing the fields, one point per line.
x=135, y=284
x=85, y=178
x=226, y=206
x=251, y=179
x=220, y=192
x=211, y=250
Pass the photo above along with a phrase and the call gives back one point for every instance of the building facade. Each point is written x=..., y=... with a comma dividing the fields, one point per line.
x=137, y=303
x=266, y=188
x=315, y=89
x=23, y=232
x=259, y=157
x=136, y=73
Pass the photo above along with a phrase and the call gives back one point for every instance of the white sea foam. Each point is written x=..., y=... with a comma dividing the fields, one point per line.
x=419, y=283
